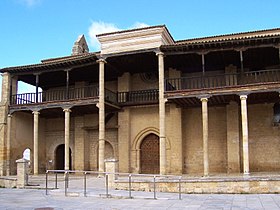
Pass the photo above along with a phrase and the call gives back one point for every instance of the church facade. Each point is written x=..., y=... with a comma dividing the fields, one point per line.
x=158, y=106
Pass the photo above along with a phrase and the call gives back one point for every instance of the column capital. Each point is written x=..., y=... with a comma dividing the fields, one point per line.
x=67, y=70
x=101, y=60
x=204, y=97
x=243, y=96
x=66, y=110
x=10, y=115
x=36, y=112
x=241, y=49
x=203, y=52
x=159, y=53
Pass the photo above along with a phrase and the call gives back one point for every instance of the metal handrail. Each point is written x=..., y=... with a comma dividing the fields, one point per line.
x=106, y=174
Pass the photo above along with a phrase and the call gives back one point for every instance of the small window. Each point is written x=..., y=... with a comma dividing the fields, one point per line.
x=276, y=114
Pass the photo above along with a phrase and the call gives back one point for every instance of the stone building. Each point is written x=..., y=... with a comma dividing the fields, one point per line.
x=197, y=106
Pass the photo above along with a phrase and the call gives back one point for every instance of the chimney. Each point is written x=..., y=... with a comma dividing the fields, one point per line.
x=80, y=46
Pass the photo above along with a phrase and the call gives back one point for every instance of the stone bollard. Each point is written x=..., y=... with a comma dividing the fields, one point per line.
x=111, y=166
x=22, y=173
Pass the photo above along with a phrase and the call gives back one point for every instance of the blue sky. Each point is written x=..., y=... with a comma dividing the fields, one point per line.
x=32, y=30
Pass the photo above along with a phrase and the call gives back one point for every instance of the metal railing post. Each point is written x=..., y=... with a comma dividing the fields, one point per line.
x=106, y=181
x=180, y=193
x=65, y=183
x=155, y=187
x=85, y=184
x=47, y=183
x=129, y=185
x=56, y=180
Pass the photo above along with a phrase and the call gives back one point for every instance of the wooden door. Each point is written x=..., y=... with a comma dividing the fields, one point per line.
x=149, y=155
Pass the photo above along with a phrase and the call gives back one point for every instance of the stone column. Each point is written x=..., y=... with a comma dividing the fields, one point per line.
x=245, y=143
x=67, y=139
x=4, y=103
x=35, y=142
x=8, y=155
x=204, y=101
x=101, y=106
x=162, y=136
x=124, y=129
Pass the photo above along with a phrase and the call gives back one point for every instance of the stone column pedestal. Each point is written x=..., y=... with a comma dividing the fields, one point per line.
x=22, y=173
x=111, y=167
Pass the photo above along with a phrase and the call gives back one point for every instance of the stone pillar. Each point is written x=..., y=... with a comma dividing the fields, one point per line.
x=80, y=144
x=233, y=151
x=6, y=88
x=101, y=106
x=4, y=103
x=174, y=130
x=22, y=173
x=8, y=155
x=162, y=136
x=35, y=142
x=111, y=166
x=245, y=143
x=67, y=139
x=124, y=141
x=204, y=101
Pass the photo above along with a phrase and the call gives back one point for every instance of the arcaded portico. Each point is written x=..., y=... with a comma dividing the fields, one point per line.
x=198, y=106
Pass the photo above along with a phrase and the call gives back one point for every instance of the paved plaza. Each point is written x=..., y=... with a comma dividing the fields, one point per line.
x=96, y=198
x=37, y=199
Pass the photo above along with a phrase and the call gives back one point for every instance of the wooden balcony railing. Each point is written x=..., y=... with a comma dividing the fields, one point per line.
x=152, y=95
x=222, y=80
x=62, y=95
x=85, y=92
x=138, y=96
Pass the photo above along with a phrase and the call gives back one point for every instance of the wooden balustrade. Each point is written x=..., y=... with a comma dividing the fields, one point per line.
x=183, y=83
x=138, y=96
x=222, y=80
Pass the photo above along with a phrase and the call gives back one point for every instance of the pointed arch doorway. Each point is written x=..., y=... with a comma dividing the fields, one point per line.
x=59, y=157
x=149, y=154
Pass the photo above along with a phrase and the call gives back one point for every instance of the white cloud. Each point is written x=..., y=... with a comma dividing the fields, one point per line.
x=139, y=25
x=99, y=27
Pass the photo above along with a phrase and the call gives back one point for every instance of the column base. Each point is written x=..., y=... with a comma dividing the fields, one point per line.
x=246, y=174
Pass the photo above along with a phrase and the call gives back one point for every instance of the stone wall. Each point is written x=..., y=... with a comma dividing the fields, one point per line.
x=192, y=140
x=218, y=186
x=264, y=139
x=126, y=130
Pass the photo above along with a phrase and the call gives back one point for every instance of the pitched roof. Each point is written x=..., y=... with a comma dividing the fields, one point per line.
x=48, y=64
x=233, y=36
x=131, y=30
